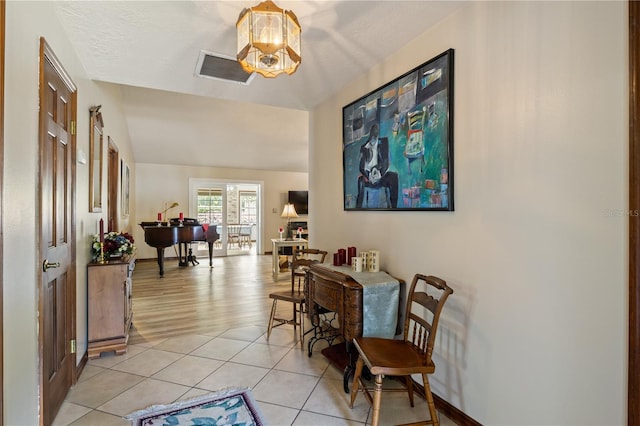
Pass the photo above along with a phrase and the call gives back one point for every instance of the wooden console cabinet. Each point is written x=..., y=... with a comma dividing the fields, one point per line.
x=109, y=306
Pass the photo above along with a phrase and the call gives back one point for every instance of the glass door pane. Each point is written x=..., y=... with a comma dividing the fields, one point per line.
x=211, y=207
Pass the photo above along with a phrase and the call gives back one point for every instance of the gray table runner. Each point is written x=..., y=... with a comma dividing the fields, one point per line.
x=380, y=294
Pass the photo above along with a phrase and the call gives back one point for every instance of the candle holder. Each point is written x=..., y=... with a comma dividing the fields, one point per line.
x=101, y=258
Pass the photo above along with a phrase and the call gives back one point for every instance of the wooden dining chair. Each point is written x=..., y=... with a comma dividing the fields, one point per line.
x=412, y=354
x=301, y=259
x=233, y=236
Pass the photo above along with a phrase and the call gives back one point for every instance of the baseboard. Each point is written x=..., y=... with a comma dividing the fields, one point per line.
x=458, y=416
x=445, y=407
x=80, y=367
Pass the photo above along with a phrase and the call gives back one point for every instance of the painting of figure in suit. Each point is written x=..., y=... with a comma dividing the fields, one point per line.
x=398, y=142
x=375, y=173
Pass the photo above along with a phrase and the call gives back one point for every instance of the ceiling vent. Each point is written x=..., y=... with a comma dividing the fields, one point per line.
x=220, y=67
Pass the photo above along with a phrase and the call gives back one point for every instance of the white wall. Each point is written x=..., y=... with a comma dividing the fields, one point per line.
x=535, y=332
x=91, y=94
x=26, y=22
x=157, y=184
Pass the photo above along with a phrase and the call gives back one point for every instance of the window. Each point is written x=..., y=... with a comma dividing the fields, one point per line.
x=209, y=205
x=248, y=207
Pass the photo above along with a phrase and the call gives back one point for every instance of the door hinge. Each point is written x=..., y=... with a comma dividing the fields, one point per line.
x=73, y=128
x=73, y=346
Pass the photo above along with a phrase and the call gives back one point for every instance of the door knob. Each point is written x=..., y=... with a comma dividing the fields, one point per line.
x=48, y=265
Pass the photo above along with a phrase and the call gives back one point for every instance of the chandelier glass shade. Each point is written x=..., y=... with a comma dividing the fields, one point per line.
x=268, y=40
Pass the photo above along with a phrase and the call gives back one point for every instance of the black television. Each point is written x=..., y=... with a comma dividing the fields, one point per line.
x=300, y=200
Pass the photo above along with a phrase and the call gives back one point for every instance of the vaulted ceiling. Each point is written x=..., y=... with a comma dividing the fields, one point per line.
x=150, y=49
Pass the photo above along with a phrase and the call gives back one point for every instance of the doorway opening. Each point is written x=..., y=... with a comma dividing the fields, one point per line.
x=235, y=208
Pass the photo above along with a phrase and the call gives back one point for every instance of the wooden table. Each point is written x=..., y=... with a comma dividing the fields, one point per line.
x=337, y=290
x=277, y=243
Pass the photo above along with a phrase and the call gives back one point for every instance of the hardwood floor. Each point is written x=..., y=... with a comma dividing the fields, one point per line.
x=195, y=299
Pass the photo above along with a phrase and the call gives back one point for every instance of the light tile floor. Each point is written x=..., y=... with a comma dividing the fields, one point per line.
x=290, y=387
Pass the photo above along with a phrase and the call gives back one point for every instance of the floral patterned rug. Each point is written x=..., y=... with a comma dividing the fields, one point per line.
x=226, y=407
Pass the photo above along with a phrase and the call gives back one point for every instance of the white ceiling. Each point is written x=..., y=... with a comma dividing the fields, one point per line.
x=150, y=48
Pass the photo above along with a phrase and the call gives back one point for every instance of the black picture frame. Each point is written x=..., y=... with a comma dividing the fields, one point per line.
x=411, y=165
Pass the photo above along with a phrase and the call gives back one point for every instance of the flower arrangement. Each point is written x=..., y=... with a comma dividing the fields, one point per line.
x=116, y=244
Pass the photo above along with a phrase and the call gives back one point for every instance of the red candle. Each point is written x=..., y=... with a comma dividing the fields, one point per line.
x=101, y=230
x=336, y=259
x=159, y=217
x=343, y=256
x=181, y=216
x=351, y=253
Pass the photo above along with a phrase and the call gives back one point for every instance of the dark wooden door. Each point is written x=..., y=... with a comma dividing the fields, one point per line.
x=57, y=253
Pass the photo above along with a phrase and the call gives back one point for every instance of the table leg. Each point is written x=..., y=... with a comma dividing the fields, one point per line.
x=274, y=262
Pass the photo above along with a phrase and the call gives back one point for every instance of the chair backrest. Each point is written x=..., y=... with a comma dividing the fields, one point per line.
x=423, y=312
x=233, y=230
x=300, y=260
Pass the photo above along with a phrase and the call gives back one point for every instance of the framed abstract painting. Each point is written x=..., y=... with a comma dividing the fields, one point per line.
x=397, y=142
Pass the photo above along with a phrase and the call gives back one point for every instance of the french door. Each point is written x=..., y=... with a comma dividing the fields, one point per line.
x=234, y=208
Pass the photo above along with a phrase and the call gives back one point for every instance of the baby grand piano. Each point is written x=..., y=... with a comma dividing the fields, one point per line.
x=168, y=234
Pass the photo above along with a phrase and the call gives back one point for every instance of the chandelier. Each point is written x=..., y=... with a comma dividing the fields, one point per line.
x=268, y=40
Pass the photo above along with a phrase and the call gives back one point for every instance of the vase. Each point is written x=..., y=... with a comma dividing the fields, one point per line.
x=115, y=256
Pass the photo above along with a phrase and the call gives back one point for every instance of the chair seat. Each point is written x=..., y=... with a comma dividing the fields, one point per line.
x=300, y=271
x=288, y=296
x=391, y=357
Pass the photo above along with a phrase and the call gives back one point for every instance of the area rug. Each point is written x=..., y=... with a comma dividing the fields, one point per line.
x=234, y=406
